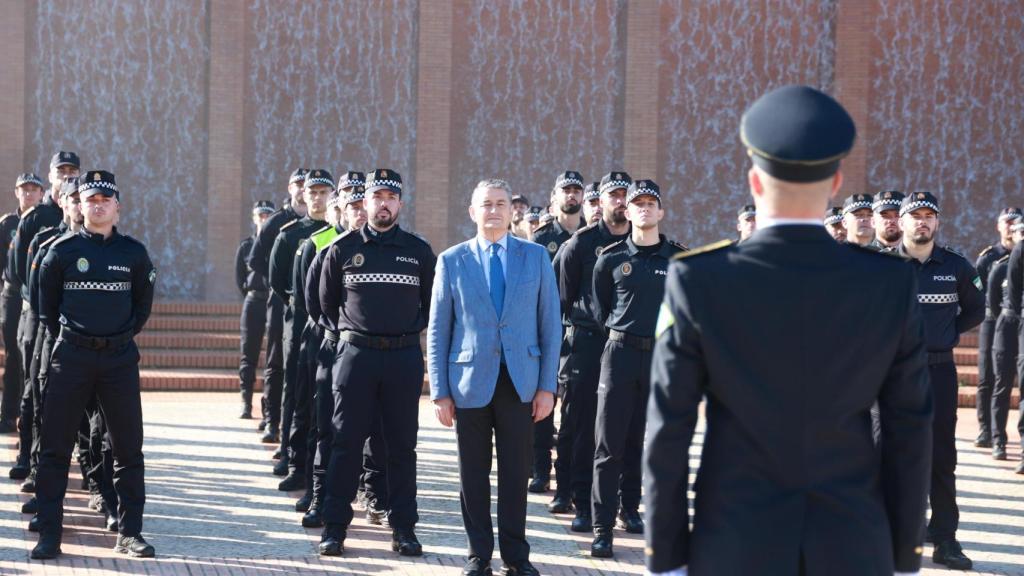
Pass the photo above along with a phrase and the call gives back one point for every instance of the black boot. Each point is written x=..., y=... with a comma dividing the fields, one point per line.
x=296, y=480
x=952, y=555
x=313, y=518
x=29, y=485
x=281, y=468
x=272, y=435
x=539, y=485
x=582, y=522
x=631, y=522
x=560, y=504
x=31, y=506
x=21, y=469
x=601, y=547
x=134, y=546
x=33, y=523
x=999, y=452
x=302, y=504
x=403, y=541
x=246, y=405
x=332, y=542
x=984, y=439
x=47, y=547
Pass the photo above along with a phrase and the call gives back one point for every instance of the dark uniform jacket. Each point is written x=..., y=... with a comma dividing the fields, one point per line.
x=312, y=258
x=951, y=297
x=629, y=284
x=45, y=214
x=245, y=278
x=551, y=236
x=789, y=473
x=575, y=278
x=282, y=257
x=378, y=284
x=8, y=229
x=259, y=257
x=37, y=250
x=996, y=294
x=988, y=257
x=95, y=286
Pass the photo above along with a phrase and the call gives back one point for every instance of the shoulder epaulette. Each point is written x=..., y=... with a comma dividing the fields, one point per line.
x=50, y=240
x=948, y=249
x=679, y=245
x=288, y=225
x=543, y=227
x=872, y=250
x=1003, y=259
x=29, y=211
x=613, y=245
x=705, y=249
x=62, y=239
x=586, y=228
x=7, y=217
x=337, y=238
x=986, y=250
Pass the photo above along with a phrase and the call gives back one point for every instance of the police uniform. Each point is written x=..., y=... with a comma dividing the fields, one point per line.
x=1012, y=306
x=96, y=293
x=950, y=293
x=551, y=236
x=747, y=211
x=375, y=288
x=253, y=323
x=788, y=466
x=883, y=201
x=584, y=342
x=10, y=312
x=282, y=282
x=986, y=374
x=629, y=282
x=259, y=263
x=855, y=202
x=1004, y=352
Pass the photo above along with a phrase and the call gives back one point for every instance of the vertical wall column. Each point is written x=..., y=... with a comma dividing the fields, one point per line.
x=853, y=85
x=224, y=219
x=641, y=118
x=13, y=13
x=433, y=122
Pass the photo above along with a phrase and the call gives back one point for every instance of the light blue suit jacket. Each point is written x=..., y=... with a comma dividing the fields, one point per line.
x=465, y=337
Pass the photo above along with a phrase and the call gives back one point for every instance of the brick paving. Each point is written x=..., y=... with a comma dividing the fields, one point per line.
x=213, y=509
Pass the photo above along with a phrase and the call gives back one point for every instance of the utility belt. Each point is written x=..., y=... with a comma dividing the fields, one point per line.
x=940, y=357
x=95, y=342
x=379, y=342
x=259, y=293
x=573, y=331
x=638, y=342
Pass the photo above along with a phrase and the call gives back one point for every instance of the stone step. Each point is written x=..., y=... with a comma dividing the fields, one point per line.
x=200, y=359
x=197, y=308
x=179, y=340
x=194, y=323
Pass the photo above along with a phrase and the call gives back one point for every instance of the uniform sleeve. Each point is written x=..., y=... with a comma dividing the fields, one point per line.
x=604, y=290
x=970, y=297
x=259, y=255
x=331, y=286
x=299, y=268
x=143, y=287
x=21, y=243
x=427, y=266
x=994, y=289
x=678, y=379
x=1015, y=277
x=241, y=268
x=982, y=265
x=439, y=333
x=905, y=412
x=311, y=287
x=279, y=269
x=571, y=269
x=33, y=280
x=51, y=290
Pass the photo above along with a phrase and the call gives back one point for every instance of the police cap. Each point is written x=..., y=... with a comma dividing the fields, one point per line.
x=643, y=188
x=569, y=178
x=262, y=206
x=319, y=177
x=533, y=214
x=28, y=178
x=833, y=215
x=856, y=202
x=298, y=175
x=355, y=194
x=520, y=198
x=351, y=179
x=919, y=200
x=592, y=191
x=614, y=181
x=1011, y=213
x=68, y=187
x=98, y=182
x=384, y=179
x=747, y=211
x=64, y=158
x=797, y=133
x=887, y=200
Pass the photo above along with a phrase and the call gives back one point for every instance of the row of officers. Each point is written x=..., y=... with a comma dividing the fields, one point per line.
x=75, y=293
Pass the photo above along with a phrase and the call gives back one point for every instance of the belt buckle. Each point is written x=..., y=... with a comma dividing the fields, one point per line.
x=384, y=343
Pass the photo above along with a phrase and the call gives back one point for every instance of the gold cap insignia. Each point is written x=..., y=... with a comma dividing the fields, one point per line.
x=887, y=195
x=920, y=196
x=616, y=176
x=96, y=177
x=383, y=173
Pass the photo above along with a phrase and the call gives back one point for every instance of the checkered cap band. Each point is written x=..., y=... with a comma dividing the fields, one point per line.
x=404, y=279
x=29, y=179
x=297, y=177
x=101, y=286
x=613, y=184
x=854, y=206
x=886, y=204
x=1009, y=216
x=310, y=182
x=372, y=185
x=635, y=192
x=951, y=298
x=591, y=193
x=833, y=219
x=911, y=206
x=354, y=197
x=563, y=182
x=350, y=182
x=84, y=186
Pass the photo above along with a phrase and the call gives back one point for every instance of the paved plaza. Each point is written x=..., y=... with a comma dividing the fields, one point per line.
x=213, y=508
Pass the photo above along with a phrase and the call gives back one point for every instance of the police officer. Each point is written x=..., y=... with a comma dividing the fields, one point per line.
x=834, y=223
x=746, y=221
x=319, y=184
x=254, y=307
x=565, y=197
x=520, y=207
x=96, y=292
x=986, y=376
x=259, y=263
x=1004, y=345
x=532, y=220
x=950, y=293
x=375, y=288
x=585, y=340
x=629, y=281
x=591, y=203
x=857, y=218
x=885, y=219
x=28, y=189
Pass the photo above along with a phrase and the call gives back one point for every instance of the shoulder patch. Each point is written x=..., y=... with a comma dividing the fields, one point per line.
x=892, y=253
x=705, y=249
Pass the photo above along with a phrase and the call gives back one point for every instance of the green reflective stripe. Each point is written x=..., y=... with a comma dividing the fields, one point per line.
x=322, y=238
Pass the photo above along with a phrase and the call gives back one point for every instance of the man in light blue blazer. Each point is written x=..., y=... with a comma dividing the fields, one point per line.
x=492, y=356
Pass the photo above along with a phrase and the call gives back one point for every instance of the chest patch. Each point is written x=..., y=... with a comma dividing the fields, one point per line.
x=626, y=268
x=358, y=260
x=82, y=265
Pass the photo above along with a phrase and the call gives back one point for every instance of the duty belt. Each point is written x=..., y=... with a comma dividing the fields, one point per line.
x=572, y=331
x=260, y=293
x=940, y=357
x=379, y=342
x=331, y=335
x=630, y=340
x=95, y=342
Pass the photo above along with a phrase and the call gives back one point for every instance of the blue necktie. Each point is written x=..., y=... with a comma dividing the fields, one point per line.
x=497, y=280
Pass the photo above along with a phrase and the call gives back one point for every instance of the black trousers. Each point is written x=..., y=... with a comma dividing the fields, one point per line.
x=27, y=327
x=1004, y=363
x=367, y=383
x=305, y=391
x=253, y=324
x=75, y=375
x=294, y=324
x=543, y=442
x=100, y=471
x=324, y=412
x=945, y=514
x=509, y=420
x=619, y=432
x=986, y=375
x=581, y=370
x=273, y=374
x=10, y=315
x=374, y=480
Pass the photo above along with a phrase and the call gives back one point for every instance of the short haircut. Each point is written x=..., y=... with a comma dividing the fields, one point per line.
x=491, y=183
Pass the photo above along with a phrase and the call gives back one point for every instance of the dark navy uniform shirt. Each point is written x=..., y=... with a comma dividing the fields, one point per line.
x=309, y=265
x=951, y=297
x=629, y=282
x=245, y=278
x=282, y=257
x=378, y=284
x=551, y=236
x=8, y=228
x=45, y=214
x=95, y=286
x=576, y=276
x=988, y=257
x=996, y=294
x=259, y=257
x=37, y=251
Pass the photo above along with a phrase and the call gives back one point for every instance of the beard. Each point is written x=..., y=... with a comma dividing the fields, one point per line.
x=619, y=216
x=383, y=219
x=923, y=237
x=891, y=236
x=571, y=208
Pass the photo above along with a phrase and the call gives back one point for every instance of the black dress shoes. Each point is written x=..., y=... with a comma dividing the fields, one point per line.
x=539, y=485
x=477, y=567
x=560, y=505
x=281, y=467
x=134, y=546
x=951, y=555
x=601, y=547
x=983, y=441
x=19, y=471
x=332, y=542
x=314, y=518
x=29, y=485
x=523, y=568
x=631, y=521
x=47, y=547
x=582, y=522
x=296, y=480
x=999, y=452
x=405, y=543
x=31, y=506
x=271, y=436
x=302, y=504
x=33, y=523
